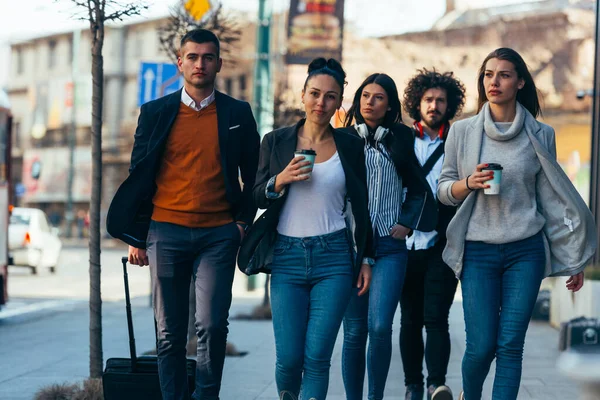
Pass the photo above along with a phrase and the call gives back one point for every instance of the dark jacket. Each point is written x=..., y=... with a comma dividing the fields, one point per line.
x=445, y=213
x=276, y=152
x=131, y=208
x=419, y=209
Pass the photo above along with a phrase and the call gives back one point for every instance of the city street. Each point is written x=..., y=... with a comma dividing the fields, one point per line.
x=44, y=337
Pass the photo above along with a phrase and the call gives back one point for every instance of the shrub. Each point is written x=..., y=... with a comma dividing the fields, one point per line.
x=91, y=390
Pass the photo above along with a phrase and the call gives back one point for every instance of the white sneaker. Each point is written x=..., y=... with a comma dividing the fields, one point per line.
x=442, y=392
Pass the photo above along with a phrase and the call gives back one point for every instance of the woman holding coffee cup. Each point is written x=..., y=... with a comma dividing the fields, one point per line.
x=520, y=219
x=391, y=167
x=308, y=176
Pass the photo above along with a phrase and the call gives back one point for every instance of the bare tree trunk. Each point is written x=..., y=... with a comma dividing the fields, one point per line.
x=96, y=356
x=95, y=14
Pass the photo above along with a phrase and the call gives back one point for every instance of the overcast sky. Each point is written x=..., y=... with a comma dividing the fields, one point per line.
x=29, y=18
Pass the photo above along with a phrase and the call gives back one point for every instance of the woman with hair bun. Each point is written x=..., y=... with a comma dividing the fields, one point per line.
x=322, y=244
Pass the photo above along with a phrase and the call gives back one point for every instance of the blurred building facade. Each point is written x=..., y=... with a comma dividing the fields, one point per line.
x=41, y=89
x=555, y=37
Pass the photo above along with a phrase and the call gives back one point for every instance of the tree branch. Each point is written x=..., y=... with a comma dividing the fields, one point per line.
x=180, y=22
x=127, y=11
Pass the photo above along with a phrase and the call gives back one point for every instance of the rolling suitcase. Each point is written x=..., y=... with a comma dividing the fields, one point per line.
x=136, y=377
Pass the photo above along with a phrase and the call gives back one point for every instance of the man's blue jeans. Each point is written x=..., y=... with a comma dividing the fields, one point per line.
x=500, y=284
x=311, y=283
x=372, y=315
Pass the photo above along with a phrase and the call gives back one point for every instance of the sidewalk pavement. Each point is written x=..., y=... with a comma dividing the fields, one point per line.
x=53, y=347
x=106, y=243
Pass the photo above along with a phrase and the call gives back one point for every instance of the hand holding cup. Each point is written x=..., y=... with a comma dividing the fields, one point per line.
x=479, y=179
x=297, y=170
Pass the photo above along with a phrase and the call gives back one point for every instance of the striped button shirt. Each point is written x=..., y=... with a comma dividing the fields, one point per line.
x=385, y=188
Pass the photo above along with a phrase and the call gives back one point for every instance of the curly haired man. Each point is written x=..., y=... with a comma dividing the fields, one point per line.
x=432, y=99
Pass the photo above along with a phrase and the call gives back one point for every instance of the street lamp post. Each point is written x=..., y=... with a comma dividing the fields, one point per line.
x=263, y=99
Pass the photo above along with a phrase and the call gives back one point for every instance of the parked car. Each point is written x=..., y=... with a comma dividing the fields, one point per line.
x=31, y=241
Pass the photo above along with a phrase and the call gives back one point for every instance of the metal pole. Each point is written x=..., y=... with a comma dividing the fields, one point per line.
x=72, y=137
x=594, y=176
x=263, y=98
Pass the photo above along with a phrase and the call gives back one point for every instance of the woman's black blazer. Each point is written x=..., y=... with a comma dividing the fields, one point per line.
x=276, y=152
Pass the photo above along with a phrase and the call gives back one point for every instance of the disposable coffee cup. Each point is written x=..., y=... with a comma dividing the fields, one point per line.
x=309, y=155
x=494, y=188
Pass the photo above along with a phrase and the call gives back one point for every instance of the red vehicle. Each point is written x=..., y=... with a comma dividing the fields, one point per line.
x=5, y=193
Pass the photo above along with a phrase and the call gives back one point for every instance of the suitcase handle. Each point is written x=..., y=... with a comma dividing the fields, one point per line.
x=132, y=350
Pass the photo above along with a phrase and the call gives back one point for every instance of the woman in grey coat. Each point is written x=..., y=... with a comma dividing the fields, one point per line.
x=519, y=220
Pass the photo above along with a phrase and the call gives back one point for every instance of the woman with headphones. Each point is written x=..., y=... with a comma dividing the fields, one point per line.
x=392, y=171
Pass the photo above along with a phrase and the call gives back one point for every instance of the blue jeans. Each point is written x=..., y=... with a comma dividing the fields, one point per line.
x=372, y=315
x=311, y=284
x=500, y=284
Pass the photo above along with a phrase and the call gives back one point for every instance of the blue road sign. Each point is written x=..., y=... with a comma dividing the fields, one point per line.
x=20, y=190
x=156, y=80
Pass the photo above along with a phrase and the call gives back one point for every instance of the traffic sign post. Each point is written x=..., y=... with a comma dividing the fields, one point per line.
x=156, y=80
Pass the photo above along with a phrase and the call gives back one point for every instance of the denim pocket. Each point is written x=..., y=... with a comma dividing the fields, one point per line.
x=337, y=246
x=281, y=247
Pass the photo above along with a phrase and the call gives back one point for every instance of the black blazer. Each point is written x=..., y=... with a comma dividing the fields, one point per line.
x=130, y=211
x=276, y=152
x=419, y=209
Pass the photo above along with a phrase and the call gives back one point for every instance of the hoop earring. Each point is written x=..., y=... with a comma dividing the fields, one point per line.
x=339, y=117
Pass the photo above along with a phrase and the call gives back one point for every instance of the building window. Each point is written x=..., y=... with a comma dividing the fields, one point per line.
x=228, y=86
x=16, y=134
x=51, y=54
x=70, y=55
x=243, y=86
x=19, y=61
x=139, y=44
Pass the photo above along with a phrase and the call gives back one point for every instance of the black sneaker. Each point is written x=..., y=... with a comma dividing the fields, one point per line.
x=414, y=392
x=441, y=392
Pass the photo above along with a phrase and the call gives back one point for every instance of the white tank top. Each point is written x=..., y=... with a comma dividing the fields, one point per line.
x=315, y=207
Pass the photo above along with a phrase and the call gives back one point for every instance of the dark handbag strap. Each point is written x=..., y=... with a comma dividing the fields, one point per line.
x=132, y=350
x=435, y=156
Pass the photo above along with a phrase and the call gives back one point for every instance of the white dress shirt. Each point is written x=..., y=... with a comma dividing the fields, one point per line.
x=188, y=101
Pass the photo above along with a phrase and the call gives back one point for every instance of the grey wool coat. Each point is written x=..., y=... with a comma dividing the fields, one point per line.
x=569, y=232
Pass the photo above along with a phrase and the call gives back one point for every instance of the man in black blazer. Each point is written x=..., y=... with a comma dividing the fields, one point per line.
x=182, y=211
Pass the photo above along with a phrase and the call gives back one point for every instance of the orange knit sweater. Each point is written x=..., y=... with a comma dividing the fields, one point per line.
x=190, y=182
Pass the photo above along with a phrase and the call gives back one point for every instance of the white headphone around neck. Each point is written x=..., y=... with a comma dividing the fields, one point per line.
x=363, y=132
